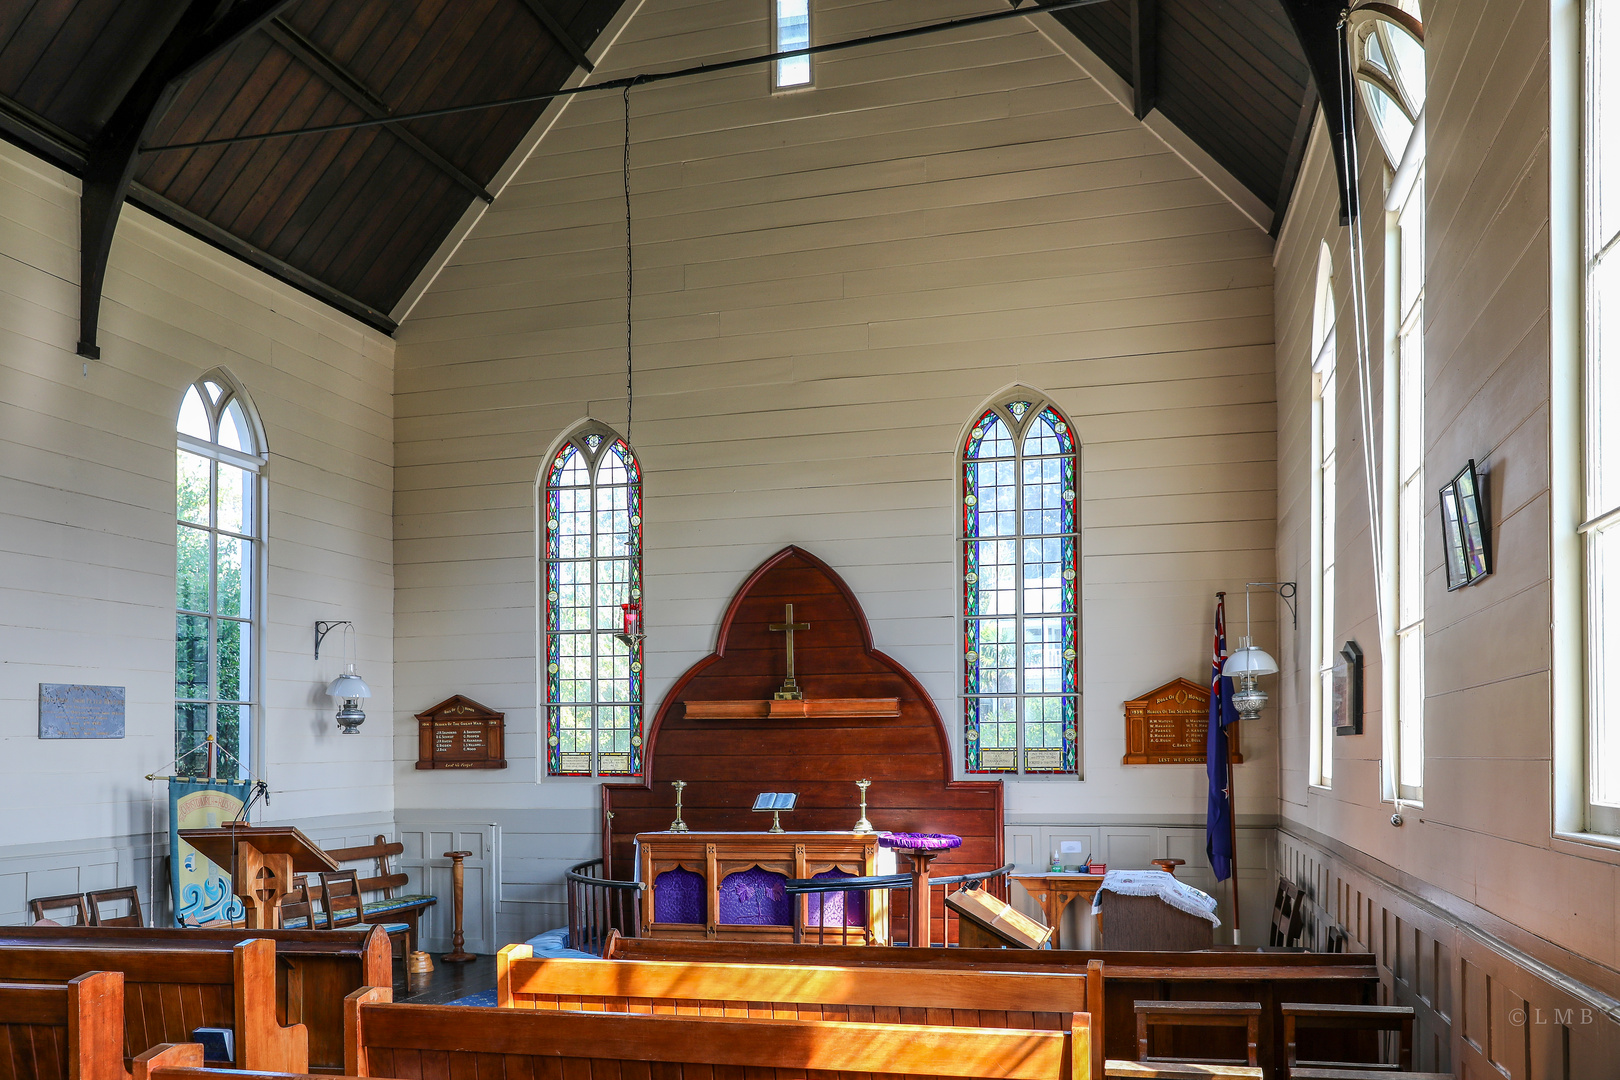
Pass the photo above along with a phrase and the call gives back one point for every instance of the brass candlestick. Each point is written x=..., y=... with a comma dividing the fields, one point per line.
x=678, y=825
x=863, y=826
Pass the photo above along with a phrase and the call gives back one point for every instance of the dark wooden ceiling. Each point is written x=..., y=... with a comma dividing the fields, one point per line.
x=353, y=216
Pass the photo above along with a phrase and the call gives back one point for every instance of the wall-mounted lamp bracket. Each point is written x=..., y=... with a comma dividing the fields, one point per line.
x=1288, y=591
x=324, y=628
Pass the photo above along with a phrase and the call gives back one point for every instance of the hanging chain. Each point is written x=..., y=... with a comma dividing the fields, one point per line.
x=629, y=289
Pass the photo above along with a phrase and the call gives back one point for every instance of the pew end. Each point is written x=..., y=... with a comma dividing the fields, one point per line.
x=355, y=1062
x=167, y=1056
x=503, y=971
x=262, y=1043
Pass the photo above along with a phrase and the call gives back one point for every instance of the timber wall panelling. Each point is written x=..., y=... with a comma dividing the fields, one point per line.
x=1484, y=831
x=426, y=839
x=828, y=284
x=87, y=503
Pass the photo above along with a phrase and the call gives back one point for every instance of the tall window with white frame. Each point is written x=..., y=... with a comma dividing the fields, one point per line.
x=590, y=502
x=1601, y=512
x=1390, y=74
x=1325, y=439
x=1021, y=578
x=219, y=576
x=790, y=20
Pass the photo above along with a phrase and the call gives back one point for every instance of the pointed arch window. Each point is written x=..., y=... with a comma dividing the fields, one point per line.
x=219, y=576
x=1021, y=576
x=591, y=502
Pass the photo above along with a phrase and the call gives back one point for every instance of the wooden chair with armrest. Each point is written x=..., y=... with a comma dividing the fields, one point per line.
x=343, y=907
x=124, y=893
x=67, y=902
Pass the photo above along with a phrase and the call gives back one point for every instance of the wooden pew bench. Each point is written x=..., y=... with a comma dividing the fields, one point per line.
x=980, y=999
x=314, y=972
x=518, y=1044
x=1212, y=975
x=169, y=992
x=69, y=1030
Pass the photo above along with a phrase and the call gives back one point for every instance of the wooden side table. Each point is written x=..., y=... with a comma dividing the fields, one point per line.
x=1054, y=892
x=458, y=878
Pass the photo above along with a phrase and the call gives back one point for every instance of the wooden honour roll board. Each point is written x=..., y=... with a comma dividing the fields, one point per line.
x=459, y=733
x=1170, y=726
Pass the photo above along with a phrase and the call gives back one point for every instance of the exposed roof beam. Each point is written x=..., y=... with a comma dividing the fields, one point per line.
x=34, y=133
x=1316, y=24
x=347, y=84
x=206, y=28
x=557, y=30
x=1144, y=56
x=1296, y=156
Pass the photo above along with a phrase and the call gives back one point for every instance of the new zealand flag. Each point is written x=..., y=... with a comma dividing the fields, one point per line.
x=1218, y=821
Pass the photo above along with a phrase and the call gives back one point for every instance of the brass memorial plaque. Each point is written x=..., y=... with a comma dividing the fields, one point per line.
x=1170, y=726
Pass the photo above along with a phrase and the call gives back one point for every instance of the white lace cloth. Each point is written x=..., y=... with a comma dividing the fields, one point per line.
x=1181, y=896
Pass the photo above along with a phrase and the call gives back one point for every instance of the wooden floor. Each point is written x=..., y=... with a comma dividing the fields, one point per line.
x=446, y=982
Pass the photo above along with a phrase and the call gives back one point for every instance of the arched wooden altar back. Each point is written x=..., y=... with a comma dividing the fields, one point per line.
x=726, y=763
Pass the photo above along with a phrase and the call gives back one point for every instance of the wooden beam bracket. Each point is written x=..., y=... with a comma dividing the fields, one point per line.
x=559, y=32
x=1144, y=56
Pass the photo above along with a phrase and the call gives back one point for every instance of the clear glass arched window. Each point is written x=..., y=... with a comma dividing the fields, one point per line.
x=1324, y=494
x=590, y=502
x=1020, y=595
x=1388, y=63
x=219, y=576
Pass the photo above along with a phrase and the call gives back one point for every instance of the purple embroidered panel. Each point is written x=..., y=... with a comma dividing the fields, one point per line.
x=920, y=841
x=678, y=897
x=836, y=914
x=756, y=897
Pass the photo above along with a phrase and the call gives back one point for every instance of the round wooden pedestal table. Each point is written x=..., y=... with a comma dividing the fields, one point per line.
x=458, y=875
x=923, y=848
x=1169, y=865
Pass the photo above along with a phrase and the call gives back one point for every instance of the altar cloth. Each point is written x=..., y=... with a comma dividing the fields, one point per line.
x=1177, y=894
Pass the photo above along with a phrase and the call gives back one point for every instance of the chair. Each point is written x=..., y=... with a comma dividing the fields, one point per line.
x=342, y=905
x=113, y=896
x=297, y=911
x=73, y=902
x=1287, y=914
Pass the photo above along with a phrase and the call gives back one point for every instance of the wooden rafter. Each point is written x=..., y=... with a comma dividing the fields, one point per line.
x=206, y=28
x=1296, y=156
x=346, y=83
x=1144, y=56
x=559, y=33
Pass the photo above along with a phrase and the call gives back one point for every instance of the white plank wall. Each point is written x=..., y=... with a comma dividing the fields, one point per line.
x=1483, y=835
x=87, y=556
x=828, y=285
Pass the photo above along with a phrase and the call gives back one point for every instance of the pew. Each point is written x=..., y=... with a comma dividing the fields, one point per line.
x=169, y=992
x=69, y=1030
x=314, y=971
x=384, y=1039
x=1206, y=975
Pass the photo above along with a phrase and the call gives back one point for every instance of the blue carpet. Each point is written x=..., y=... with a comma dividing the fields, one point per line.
x=485, y=998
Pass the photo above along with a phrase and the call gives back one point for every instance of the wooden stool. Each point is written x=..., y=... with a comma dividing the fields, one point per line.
x=1173, y=1014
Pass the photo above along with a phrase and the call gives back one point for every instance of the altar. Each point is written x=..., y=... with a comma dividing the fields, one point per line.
x=731, y=885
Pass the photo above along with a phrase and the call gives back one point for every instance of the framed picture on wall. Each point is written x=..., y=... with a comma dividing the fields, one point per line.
x=1466, y=529
x=1347, y=690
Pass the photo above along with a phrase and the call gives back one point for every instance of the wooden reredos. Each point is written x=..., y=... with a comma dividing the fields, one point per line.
x=727, y=762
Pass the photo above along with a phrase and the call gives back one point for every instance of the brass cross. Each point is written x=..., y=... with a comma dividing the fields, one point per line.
x=790, y=690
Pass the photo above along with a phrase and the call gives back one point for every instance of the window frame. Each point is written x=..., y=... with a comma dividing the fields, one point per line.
x=551, y=763
x=777, y=86
x=1018, y=428
x=254, y=466
x=1598, y=517
x=1324, y=518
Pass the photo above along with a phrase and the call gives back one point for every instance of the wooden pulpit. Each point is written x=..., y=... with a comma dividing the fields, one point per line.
x=262, y=861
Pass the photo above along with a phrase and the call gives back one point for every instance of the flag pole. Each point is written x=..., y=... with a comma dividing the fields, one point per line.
x=1231, y=805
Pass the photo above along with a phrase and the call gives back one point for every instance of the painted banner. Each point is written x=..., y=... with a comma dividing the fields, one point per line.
x=201, y=891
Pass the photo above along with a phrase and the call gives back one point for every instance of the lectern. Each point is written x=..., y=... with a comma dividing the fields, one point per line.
x=263, y=860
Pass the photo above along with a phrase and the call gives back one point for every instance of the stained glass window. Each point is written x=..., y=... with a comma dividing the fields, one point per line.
x=219, y=553
x=591, y=500
x=1021, y=572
